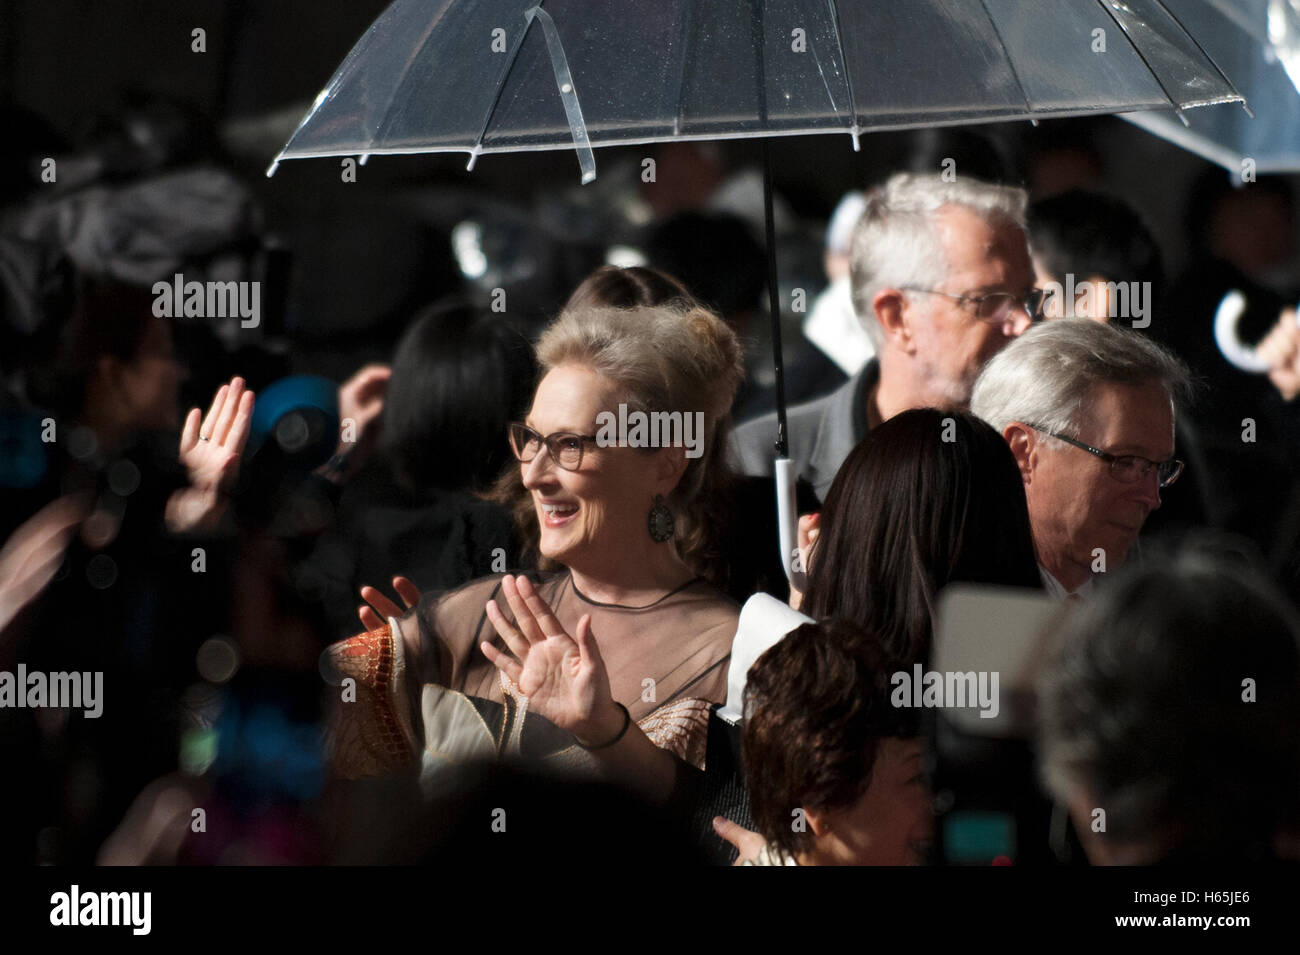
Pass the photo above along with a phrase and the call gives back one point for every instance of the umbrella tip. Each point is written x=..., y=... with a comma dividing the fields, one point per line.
x=270, y=170
x=1249, y=112
x=1182, y=118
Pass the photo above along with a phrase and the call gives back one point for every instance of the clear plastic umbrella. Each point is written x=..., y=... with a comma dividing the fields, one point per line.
x=1257, y=44
x=517, y=75
x=514, y=75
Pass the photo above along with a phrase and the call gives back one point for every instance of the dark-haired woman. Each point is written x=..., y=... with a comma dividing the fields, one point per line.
x=927, y=498
x=417, y=509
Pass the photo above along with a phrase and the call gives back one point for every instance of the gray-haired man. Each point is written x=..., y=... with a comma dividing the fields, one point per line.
x=1088, y=411
x=942, y=279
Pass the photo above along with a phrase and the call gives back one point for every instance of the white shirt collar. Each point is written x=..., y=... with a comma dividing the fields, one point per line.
x=1057, y=590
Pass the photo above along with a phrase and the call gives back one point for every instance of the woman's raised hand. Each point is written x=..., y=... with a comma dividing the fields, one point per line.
x=563, y=676
x=211, y=448
x=381, y=608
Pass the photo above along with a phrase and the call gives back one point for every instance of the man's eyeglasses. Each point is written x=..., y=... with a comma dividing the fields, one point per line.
x=994, y=307
x=1128, y=468
x=565, y=447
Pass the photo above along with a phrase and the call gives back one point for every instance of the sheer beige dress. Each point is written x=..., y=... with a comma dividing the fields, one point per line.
x=422, y=690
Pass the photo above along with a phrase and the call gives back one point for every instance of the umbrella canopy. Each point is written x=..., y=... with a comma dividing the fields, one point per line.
x=1257, y=44
x=514, y=75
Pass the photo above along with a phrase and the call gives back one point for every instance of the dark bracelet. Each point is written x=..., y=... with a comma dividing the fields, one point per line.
x=627, y=722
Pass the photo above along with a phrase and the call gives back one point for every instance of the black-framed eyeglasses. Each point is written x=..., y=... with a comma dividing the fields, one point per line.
x=994, y=307
x=565, y=447
x=1128, y=468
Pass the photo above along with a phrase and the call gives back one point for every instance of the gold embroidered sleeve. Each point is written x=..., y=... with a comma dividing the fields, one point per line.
x=682, y=728
x=370, y=732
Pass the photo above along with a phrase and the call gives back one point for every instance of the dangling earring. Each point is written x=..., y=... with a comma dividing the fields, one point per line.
x=660, y=521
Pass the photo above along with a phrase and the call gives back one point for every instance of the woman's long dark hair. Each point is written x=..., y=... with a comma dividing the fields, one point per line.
x=460, y=376
x=927, y=498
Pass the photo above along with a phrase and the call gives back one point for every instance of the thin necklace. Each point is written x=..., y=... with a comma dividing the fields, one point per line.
x=597, y=603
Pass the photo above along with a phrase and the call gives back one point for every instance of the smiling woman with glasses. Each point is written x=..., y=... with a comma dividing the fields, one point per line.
x=610, y=659
x=565, y=447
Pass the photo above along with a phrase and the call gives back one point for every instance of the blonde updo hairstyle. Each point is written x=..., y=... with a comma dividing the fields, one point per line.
x=673, y=357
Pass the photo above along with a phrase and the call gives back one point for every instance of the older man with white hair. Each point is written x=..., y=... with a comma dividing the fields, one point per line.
x=942, y=280
x=1088, y=411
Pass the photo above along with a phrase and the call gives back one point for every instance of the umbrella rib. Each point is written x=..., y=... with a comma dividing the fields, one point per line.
x=821, y=72
x=402, y=82
x=1206, y=53
x=405, y=74
x=1011, y=64
x=686, y=35
x=854, y=130
x=501, y=86
x=1178, y=110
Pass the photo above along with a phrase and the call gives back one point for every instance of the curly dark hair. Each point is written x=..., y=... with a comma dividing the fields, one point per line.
x=816, y=705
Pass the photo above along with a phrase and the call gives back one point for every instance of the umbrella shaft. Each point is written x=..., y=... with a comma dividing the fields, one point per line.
x=774, y=303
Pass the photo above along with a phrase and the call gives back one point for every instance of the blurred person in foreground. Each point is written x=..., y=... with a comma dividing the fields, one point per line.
x=1088, y=411
x=610, y=660
x=125, y=601
x=942, y=280
x=460, y=821
x=1171, y=716
x=836, y=773
x=111, y=381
